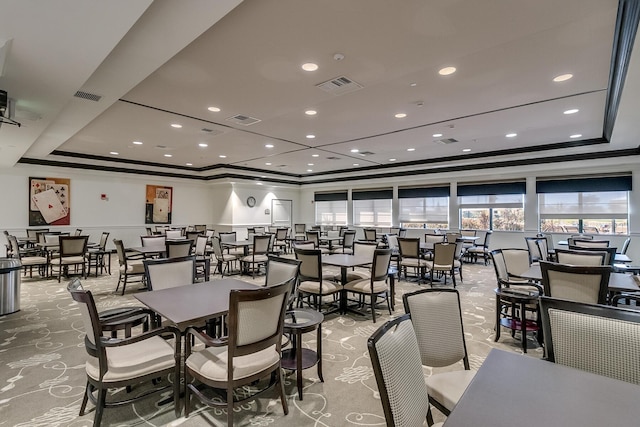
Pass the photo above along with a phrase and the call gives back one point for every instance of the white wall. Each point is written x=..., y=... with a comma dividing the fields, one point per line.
x=122, y=214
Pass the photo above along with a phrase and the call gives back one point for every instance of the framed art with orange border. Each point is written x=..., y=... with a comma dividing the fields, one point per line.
x=158, y=204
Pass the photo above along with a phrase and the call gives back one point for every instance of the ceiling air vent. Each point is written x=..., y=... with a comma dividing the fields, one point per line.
x=333, y=158
x=446, y=141
x=210, y=131
x=339, y=85
x=88, y=96
x=366, y=153
x=240, y=119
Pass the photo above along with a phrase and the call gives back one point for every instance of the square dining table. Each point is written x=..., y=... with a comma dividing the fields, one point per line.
x=511, y=389
x=186, y=306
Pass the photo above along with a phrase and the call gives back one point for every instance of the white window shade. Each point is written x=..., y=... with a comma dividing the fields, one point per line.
x=373, y=213
x=607, y=204
x=424, y=209
x=491, y=201
x=332, y=212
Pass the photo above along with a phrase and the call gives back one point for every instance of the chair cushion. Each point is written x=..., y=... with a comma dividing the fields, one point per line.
x=364, y=286
x=314, y=287
x=73, y=260
x=134, y=360
x=133, y=267
x=413, y=262
x=212, y=363
x=255, y=258
x=33, y=260
x=447, y=387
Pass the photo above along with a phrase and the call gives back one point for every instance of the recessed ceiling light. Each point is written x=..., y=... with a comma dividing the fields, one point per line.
x=511, y=135
x=392, y=160
x=203, y=145
x=447, y=70
x=137, y=143
x=309, y=66
x=562, y=77
x=577, y=135
x=309, y=170
x=176, y=125
x=315, y=155
x=310, y=136
x=168, y=155
x=413, y=84
x=354, y=150
x=401, y=115
x=411, y=149
x=222, y=156
x=437, y=135
x=356, y=164
x=258, y=183
x=115, y=153
x=311, y=112
x=268, y=146
x=268, y=164
x=214, y=109
x=189, y=164
x=309, y=164
x=466, y=150
x=572, y=111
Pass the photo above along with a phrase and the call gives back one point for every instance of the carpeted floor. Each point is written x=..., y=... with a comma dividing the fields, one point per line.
x=42, y=356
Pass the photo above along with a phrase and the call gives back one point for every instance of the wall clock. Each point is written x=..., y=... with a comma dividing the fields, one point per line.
x=251, y=201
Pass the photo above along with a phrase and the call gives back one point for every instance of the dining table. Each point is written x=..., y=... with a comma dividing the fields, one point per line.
x=189, y=305
x=244, y=244
x=345, y=262
x=542, y=393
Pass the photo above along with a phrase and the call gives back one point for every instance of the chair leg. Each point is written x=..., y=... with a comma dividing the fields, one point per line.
x=83, y=406
x=230, y=407
x=100, y=404
x=283, y=396
x=373, y=307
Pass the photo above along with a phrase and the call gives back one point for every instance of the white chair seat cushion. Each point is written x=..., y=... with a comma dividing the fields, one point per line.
x=314, y=287
x=134, y=360
x=447, y=387
x=73, y=259
x=413, y=262
x=364, y=286
x=33, y=260
x=255, y=258
x=212, y=363
x=229, y=257
x=353, y=275
x=133, y=267
x=476, y=249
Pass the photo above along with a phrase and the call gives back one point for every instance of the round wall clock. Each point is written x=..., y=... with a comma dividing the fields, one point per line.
x=251, y=201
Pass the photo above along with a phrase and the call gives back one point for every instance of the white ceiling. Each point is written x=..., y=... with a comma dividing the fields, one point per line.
x=157, y=62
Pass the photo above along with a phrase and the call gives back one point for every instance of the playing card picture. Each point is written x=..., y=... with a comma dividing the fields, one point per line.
x=158, y=204
x=49, y=201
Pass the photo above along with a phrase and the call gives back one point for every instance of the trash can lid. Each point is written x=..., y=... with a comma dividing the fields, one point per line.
x=9, y=264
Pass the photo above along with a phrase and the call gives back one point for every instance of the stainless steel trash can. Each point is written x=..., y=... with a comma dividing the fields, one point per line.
x=9, y=285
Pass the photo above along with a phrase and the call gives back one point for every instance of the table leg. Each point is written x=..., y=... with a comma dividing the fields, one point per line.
x=298, y=346
x=319, y=351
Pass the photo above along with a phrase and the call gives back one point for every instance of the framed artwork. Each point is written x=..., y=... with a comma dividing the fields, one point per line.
x=158, y=204
x=49, y=201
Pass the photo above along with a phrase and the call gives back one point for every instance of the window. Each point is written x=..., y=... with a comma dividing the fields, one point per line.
x=496, y=206
x=584, y=212
x=331, y=208
x=331, y=213
x=372, y=208
x=424, y=207
x=592, y=205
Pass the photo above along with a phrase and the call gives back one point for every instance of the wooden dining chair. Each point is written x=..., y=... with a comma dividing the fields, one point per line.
x=397, y=367
x=250, y=351
x=600, y=339
x=587, y=284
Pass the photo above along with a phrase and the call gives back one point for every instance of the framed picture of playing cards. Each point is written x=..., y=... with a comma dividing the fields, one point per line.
x=49, y=202
x=158, y=205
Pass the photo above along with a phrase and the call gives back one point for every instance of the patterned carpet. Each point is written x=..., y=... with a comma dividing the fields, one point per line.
x=42, y=356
